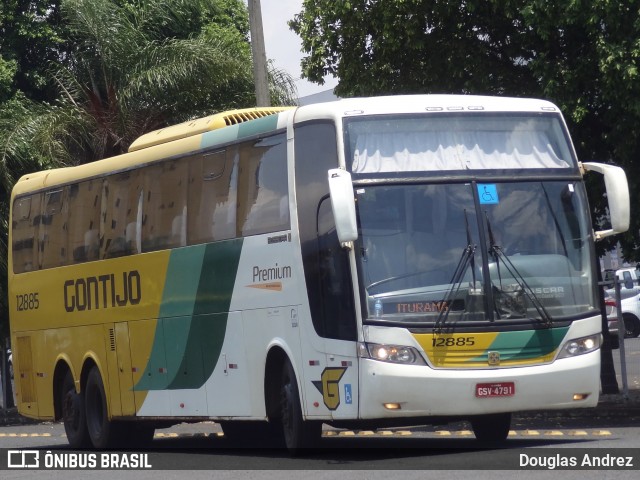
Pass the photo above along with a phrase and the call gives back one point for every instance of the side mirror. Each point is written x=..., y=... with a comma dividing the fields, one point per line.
x=617, y=188
x=343, y=205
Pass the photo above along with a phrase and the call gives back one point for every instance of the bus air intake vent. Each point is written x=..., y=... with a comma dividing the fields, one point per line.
x=239, y=116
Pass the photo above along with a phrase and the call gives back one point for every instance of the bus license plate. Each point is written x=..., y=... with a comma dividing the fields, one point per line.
x=502, y=389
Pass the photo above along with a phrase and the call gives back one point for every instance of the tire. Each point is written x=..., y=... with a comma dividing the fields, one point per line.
x=491, y=428
x=631, y=326
x=298, y=434
x=73, y=414
x=104, y=433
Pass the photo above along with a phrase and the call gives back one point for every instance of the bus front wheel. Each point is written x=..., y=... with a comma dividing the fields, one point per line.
x=103, y=432
x=298, y=433
x=73, y=414
x=491, y=428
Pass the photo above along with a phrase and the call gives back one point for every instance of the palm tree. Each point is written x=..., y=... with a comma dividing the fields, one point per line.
x=130, y=72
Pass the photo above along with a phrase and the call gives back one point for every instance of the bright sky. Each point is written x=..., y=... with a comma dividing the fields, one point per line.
x=283, y=45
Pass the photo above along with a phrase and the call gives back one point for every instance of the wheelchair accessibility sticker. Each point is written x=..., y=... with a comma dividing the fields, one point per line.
x=488, y=194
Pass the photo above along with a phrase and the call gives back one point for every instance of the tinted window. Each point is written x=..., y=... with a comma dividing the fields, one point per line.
x=212, y=197
x=83, y=223
x=263, y=202
x=25, y=222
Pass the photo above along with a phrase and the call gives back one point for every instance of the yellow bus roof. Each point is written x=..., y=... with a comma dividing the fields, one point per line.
x=201, y=125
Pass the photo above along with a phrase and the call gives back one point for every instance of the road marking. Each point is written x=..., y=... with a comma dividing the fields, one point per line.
x=468, y=433
x=366, y=433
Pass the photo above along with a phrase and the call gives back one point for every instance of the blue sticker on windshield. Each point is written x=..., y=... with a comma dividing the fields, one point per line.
x=488, y=193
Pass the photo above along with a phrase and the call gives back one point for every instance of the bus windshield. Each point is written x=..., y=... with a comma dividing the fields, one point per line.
x=475, y=252
x=456, y=142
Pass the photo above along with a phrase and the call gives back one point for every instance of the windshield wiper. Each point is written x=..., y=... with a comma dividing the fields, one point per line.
x=466, y=259
x=496, y=251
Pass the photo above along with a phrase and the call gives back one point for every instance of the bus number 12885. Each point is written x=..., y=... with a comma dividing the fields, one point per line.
x=27, y=301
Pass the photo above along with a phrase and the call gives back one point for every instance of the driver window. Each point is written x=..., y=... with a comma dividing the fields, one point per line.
x=335, y=280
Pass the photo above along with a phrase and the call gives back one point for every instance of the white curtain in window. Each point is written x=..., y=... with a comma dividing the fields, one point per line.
x=454, y=150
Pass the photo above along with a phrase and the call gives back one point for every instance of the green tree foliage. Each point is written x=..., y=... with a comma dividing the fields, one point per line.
x=583, y=55
x=402, y=46
x=7, y=73
x=131, y=66
x=31, y=36
x=143, y=65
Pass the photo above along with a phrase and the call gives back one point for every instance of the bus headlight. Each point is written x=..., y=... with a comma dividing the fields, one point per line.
x=390, y=353
x=580, y=346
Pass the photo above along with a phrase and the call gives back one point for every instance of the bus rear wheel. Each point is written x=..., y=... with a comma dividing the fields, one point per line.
x=73, y=414
x=103, y=432
x=631, y=326
x=298, y=434
x=491, y=428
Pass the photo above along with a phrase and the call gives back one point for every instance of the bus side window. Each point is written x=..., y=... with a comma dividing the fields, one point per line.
x=53, y=229
x=263, y=204
x=212, y=197
x=25, y=222
x=165, y=205
x=316, y=152
x=335, y=279
x=115, y=202
x=83, y=222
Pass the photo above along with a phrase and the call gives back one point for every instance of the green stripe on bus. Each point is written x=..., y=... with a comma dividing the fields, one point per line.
x=219, y=137
x=181, y=283
x=218, y=276
x=242, y=130
x=206, y=335
x=532, y=344
x=190, y=333
x=256, y=127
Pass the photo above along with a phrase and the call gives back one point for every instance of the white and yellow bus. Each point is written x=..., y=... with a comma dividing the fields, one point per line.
x=366, y=262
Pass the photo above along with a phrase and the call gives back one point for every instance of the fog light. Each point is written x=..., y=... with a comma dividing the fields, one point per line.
x=580, y=396
x=391, y=406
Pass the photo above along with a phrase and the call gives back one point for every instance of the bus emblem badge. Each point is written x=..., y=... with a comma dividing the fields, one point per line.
x=328, y=386
x=493, y=358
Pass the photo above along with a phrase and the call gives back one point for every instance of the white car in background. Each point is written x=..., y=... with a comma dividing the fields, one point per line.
x=612, y=319
x=630, y=297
